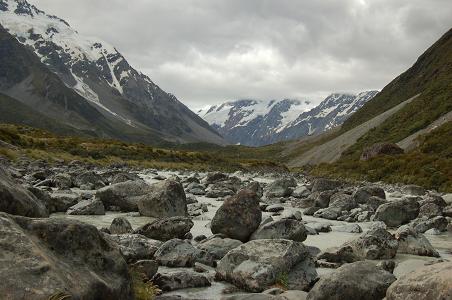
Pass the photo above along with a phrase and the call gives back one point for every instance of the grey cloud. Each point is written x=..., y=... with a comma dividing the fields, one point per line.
x=207, y=51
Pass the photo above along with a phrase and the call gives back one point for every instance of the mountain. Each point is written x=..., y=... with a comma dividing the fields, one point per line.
x=257, y=122
x=413, y=111
x=86, y=83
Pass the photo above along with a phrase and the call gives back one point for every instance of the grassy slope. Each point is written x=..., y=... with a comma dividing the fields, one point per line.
x=40, y=144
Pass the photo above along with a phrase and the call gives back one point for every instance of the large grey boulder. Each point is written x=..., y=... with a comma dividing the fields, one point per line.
x=124, y=195
x=41, y=257
x=63, y=181
x=218, y=247
x=165, y=199
x=355, y=281
x=238, y=217
x=180, y=253
x=281, y=187
x=288, y=229
x=134, y=246
x=180, y=279
x=412, y=242
x=322, y=184
x=61, y=201
x=16, y=200
x=89, y=179
x=339, y=202
x=167, y=228
x=399, y=212
x=87, y=207
x=259, y=264
x=374, y=244
x=431, y=282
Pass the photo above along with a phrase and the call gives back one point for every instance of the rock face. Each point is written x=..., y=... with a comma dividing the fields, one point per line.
x=54, y=255
x=167, y=228
x=238, y=217
x=165, y=199
x=432, y=282
x=412, y=242
x=87, y=207
x=281, y=229
x=124, y=195
x=355, y=281
x=16, y=200
x=381, y=149
x=396, y=213
x=374, y=244
x=258, y=264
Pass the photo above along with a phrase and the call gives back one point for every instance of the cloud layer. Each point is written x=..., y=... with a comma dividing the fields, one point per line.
x=209, y=51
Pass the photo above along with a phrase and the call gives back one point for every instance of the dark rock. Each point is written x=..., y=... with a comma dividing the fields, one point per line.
x=135, y=246
x=120, y=225
x=124, y=195
x=321, y=184
x=147, y=267
x=167, y=228
x=399, y=212
x=164, y=199
x=180, y=253
x=218, y=247
x=362, y=195
x=412, y=242
x=180, y=279
x=87, y=207
x=281, y=229
x=238, y=217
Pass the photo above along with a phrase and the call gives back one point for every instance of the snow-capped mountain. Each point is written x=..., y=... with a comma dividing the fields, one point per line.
x=257, y=123
x=100, y=74
x=252, y=122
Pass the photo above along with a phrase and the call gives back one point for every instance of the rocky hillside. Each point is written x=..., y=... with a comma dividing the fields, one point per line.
x=257, y=122
x=86, y=83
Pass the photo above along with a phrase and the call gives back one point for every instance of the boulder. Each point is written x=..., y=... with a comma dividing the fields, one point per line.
x=322, y=184
x=87, y=207
x=355, y=281
x=380, y=149
x=349, y=228
x=49, y=256
x=16, y=200
x=413, y=190
x=147, y=267
x=301, y=192
x=89, y=178
x=430, y=210
x=274, y=208
x=165, y=199
x=431, y=282
x=134, y=247
x=288, y=229
x=322, y=199
x=255, y=187
x=215, y=177
x=362, y=194
x=61, y=201
x=167, y=228
x=218, y=247
x=259, y=264
x=180, y=279
x=124, y=195
x=238, y=217
x=412, y=242
x=281, y=187
x=374, y=244
x=180, y=253
x=338, y=203
x=423, y=224
x=399, y=212
x=63, y=181
x=120, y=225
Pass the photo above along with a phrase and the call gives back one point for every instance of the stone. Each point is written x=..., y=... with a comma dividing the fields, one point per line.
x=301, y=192
x=349, y=228
x=341, y=255
x=320, y=227
x=134, y=247
x=255, y=187
x=218, y=247
x=374, y=244
x=147, y=267
x=238, y=217
x=63, y=181
x=87, y=207
x=166, y=228
x=380, y=149
x=338, y=203
x=431, y=282
x=430, y=210
x=16, y=200
x=423, y=224
x=281, y=187
x=61, y=201
x=180, y=279
x=215, y=177
x=322, y=199
x=281, y=229
x=398, y=212
x=165, y=199
x=180, y=253
x=354, y=281
x=124, y=195
x=414, y=190
x=412, y=242
x=89, y=178
x=120, y=225
x=59, y=255
x=322, y=184
x=274, y=208
x=362, y=194
x=259, y=264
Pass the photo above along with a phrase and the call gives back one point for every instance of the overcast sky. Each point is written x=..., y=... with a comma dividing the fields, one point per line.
x=209, y=51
